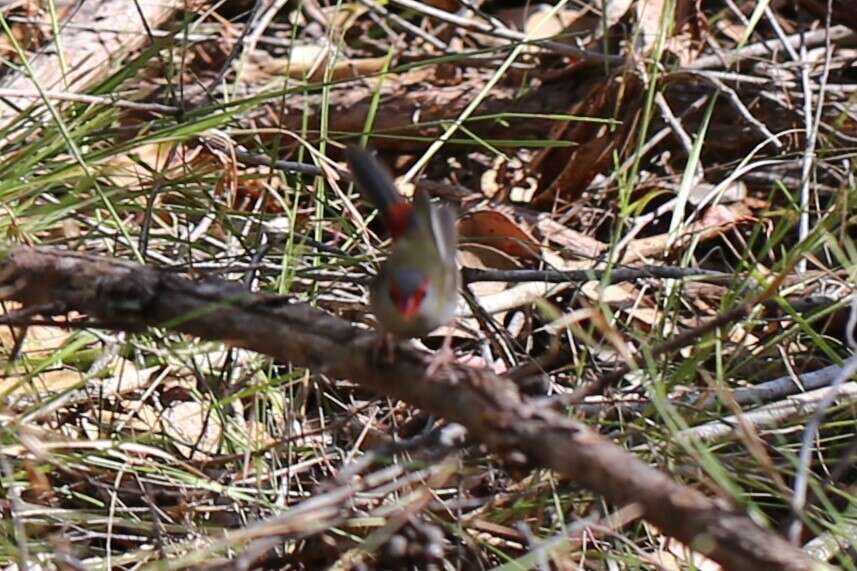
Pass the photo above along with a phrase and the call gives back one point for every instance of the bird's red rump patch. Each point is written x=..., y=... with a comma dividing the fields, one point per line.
x=408, y=304
x=398, y=217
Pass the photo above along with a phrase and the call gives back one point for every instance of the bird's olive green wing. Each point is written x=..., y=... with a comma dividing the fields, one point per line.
x=436, y=223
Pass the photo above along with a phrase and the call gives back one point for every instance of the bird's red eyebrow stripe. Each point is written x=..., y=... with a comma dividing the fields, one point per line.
x=398, y=217
x=416, y=300
x=408, y=306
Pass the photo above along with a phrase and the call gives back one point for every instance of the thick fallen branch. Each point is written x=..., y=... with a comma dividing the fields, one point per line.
x=131, y=297
x=774, y=390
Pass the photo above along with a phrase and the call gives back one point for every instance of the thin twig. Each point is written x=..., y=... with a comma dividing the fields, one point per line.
x=259, y=160
x=678, y=129
x=472, y=275
x=92, y=99
x=236, y=48
x=742, y=110
x=508, y=34
x=405, y=25
x=814, y=38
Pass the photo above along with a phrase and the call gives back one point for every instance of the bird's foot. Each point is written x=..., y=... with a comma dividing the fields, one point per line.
x=443, y=357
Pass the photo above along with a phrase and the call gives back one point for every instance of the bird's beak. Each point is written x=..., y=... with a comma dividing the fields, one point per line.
x=411, y=306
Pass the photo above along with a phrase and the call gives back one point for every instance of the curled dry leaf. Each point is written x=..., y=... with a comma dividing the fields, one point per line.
x=121, y=377
x=649, y=15
x=690, y=31
x=732, y=29
x=551, y=162
x=489, y=181
x=516, y=296
x=615, y=10
x=722, y=216
x=499, y=231
x=541, y=24
x=249, y=191
x=40, y=490
x=26, y=34
x=677, y=556
x=39, y=343
x=88, y=51
x=624, y=297
x=523, y=294
x=566, y=171
x=621, y=295
x=627, y=299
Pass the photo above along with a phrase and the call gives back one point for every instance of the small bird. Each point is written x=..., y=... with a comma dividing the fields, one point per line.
x=416, y=288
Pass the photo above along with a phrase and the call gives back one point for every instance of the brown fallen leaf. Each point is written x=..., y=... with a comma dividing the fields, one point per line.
x=499, y=231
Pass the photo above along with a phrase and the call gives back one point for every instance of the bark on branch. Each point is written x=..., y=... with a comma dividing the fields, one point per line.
x=132, y=297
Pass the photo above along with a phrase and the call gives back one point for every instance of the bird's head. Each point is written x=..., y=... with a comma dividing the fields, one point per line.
x=407, y=289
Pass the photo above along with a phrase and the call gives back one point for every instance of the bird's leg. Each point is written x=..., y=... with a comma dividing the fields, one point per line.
x=385, y=347
x=442, y=357
x=390, y=344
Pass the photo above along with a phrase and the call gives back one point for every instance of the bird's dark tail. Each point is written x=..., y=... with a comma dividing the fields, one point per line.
x=377, y=186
